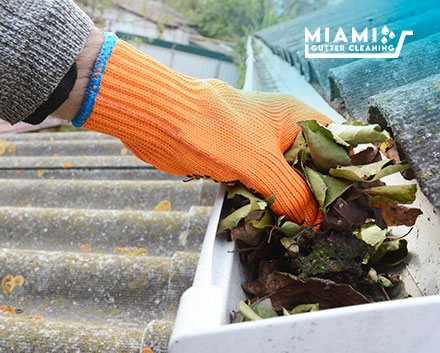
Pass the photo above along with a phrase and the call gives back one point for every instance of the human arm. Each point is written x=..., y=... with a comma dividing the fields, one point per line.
x=192, y=127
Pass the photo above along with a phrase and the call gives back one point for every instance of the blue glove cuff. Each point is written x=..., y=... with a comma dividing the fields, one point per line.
x=95, y=82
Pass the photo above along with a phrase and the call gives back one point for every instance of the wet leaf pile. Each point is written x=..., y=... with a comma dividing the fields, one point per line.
x=347, y=258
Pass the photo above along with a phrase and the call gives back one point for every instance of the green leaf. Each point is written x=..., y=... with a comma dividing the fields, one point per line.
x=390, y=253
x=266, y=221
x=326, y=153
x=264, y=309
x=270, y=200
x=395, y=256
x=335, y=188
x=290, y=228
x=291, y=245
x=247, y=311
x=391, y=169
x=304, y=308
x=393, y=193
x=280, y=219
x=358, y=134
x=373, y=235
x=291, y=155
x=241, y=190
x=235, y=217
x=317, y=185
x=326, y=188
x=359, y=172
x=383, y=281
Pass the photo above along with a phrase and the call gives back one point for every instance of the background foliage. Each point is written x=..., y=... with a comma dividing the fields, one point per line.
x=229, y=20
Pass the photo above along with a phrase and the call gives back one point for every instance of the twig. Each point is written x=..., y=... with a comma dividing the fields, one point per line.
x=270, y=235
x=385, y=293
x=402, y=236
x=265, y=297
x=305, y=230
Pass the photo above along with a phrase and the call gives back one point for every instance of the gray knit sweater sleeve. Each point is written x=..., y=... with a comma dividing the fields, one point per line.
x=39, y=42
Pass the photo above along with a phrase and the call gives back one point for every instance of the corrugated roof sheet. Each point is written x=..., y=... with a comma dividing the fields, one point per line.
x=103, y=267
x=403, y=93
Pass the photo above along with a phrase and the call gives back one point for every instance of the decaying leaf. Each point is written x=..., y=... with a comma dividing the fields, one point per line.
x=343, y=216
x=393, y=193
x=235, y=217
x=287, y=290
x=395, y=215
x=325, y=151
x=356, y=134
x=391, y=253
x=291, y=155
x=359, y=172
x=366, y=156
x=246, y=231
x=334, y=253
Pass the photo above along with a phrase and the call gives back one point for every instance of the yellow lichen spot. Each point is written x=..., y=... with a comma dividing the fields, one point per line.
x=124, y=151
x=4, y=307
x=85, y=247
x=131, y=251
x=11, y=310
x=56, y=155
x=3, y=145
x=147, y=350
x=138, y=252
x=128, y=208
x=40, y=173
x=437, y=85
x=29, y=205
x=19, y=280
x=12, y=148
x=32, y=138
x=164, y=206
x=17, y=172
x=10, y=282
x=66, y=165
x=203, y=201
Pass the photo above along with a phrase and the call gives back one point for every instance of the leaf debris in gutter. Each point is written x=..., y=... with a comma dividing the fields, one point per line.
x=346, y=259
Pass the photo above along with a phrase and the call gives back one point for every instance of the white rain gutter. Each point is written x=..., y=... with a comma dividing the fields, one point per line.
x=404, y=326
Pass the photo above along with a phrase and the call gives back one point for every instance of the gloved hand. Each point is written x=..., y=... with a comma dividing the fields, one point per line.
x=199, y=128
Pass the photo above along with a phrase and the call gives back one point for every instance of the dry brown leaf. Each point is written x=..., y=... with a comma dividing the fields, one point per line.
x=366, y=156
x=395, y=215
x=286, y=290
x=246, y=232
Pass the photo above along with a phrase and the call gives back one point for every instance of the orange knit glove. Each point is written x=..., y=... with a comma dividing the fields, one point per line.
x=200, y=128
